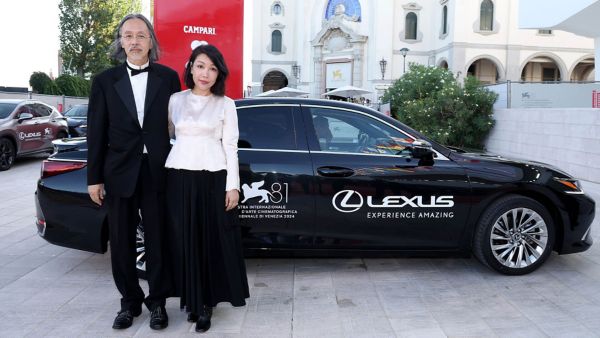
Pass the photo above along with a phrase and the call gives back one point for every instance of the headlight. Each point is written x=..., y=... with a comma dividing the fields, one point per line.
x=572, y=185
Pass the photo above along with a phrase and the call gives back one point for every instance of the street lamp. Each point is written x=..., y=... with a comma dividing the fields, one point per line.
x=404, y=51
x=382, y=65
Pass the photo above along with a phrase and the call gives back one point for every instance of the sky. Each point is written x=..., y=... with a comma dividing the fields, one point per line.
x=29, y=37
x=29, y=40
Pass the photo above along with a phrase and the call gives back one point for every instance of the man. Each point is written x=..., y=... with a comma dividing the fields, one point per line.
x=128, y=143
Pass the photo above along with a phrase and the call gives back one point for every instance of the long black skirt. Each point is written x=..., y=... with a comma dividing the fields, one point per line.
x=205, y=241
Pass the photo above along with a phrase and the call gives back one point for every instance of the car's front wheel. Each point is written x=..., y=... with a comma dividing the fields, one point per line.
x=7, y=154
x=515, y=235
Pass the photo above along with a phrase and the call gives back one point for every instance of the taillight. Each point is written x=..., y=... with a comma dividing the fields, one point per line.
x=53, y=168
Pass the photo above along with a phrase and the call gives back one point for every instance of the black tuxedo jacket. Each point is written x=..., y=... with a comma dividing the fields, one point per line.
x=115, y=138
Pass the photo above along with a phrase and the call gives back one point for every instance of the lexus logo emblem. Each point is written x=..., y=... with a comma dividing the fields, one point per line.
x=341, y=201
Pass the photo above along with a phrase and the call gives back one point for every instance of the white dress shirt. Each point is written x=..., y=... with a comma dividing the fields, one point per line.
x=138, y=85
x=206, y=129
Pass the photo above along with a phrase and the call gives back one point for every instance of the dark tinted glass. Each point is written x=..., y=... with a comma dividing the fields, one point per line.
x=42, y=110
x=266, y=128
x=6, y=109
x=77, y=111
x=345, y=132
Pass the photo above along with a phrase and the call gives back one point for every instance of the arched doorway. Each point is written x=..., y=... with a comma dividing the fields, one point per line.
x=541, y=68
x=443, y=64
x=274, y=80
x=584, y=70
x=484, y=70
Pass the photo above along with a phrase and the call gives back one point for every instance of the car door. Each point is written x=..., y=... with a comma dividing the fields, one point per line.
x=28, y=131
x=47, y=125
x=372, y=195
x=276, y=203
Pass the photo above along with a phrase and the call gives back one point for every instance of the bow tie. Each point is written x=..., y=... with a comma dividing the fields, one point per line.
x=135, y=72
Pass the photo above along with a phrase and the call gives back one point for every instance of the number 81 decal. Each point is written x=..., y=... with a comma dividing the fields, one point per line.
x=278, y=193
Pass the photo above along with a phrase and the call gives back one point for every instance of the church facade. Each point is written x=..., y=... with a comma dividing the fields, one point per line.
x=320, y=45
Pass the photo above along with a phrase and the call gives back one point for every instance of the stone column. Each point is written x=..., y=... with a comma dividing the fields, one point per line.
x=357, y=67
x=318, y=83
x=597, y=58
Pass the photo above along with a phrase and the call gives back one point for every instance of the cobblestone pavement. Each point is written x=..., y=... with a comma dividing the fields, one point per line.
x=46, y=290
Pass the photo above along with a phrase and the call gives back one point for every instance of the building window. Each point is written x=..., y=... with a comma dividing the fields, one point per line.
x=445, y=20
x=276, y=41
x=276, y=9
x=544, y=31
x=549, y=74
x=486, y=16
x=410, y=26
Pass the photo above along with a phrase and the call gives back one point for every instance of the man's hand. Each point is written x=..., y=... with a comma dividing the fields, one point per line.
x=96, y=192
x=231, y=199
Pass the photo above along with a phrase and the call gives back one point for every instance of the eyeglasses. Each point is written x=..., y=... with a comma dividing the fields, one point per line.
x=130, y=37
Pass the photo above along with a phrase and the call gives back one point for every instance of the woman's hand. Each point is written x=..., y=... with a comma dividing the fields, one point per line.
x=231, y=199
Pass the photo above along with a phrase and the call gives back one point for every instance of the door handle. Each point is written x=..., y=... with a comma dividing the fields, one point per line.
x=335, y=171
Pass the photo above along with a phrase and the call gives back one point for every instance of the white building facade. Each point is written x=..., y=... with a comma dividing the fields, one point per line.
x=319, y=45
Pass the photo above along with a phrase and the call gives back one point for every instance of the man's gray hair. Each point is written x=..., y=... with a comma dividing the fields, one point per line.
x=116, y=50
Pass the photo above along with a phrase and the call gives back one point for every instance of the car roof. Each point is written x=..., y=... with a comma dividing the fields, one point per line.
x=17, y=101
x=22, y=101
x=295, y=100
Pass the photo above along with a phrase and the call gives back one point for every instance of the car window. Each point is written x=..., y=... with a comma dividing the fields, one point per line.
x=348, y=132
x=77, y=111
x=6, y=109
x=28, y=108
x=42, y=110
x=266, y=128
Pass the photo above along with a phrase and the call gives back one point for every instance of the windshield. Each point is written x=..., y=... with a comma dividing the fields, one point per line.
x=6, y=109
x=77, y=111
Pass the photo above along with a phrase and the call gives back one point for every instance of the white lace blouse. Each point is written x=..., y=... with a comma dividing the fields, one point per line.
x=206, y=133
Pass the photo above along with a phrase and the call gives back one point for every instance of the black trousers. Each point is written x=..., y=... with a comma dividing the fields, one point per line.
x=123, y=218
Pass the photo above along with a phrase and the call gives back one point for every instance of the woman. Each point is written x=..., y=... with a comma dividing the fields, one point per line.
x=203, y=190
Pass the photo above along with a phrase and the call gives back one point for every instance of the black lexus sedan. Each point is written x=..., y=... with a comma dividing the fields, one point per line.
x=326, y=178
x=77, y=120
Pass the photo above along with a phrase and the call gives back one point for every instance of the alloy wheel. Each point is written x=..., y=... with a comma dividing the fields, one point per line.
x=519, y=238
x=140, y=248
x=7, y=154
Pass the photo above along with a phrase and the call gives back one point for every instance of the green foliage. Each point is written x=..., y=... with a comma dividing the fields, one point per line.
x=39, y=81
x=87, y=30
x=73, y=85
x=430, y=100
x=65, y=84
x=51, y=88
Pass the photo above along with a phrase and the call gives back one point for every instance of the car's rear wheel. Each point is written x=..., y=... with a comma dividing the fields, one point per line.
x=140, y=248
x=7, y=154
x=515, y=235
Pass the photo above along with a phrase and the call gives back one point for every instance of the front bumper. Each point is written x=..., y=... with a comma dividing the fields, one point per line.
x=577, y=218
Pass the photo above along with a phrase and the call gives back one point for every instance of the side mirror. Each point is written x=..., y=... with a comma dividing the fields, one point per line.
x=421, y=149
x=25, y=116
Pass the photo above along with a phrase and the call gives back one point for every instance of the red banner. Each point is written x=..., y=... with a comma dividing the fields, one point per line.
x=183, y=24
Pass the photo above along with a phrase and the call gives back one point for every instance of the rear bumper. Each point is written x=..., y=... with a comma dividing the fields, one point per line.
x=70, y=220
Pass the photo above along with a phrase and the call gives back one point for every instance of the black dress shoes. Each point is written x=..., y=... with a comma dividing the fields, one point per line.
x=158, y=318
x=203, y=319
x=192, y=317
x=124, y=319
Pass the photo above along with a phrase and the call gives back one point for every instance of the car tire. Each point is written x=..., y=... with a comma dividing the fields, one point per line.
x=7, y=154
x=514, y=236
x=61, y=135
x=140, y=247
